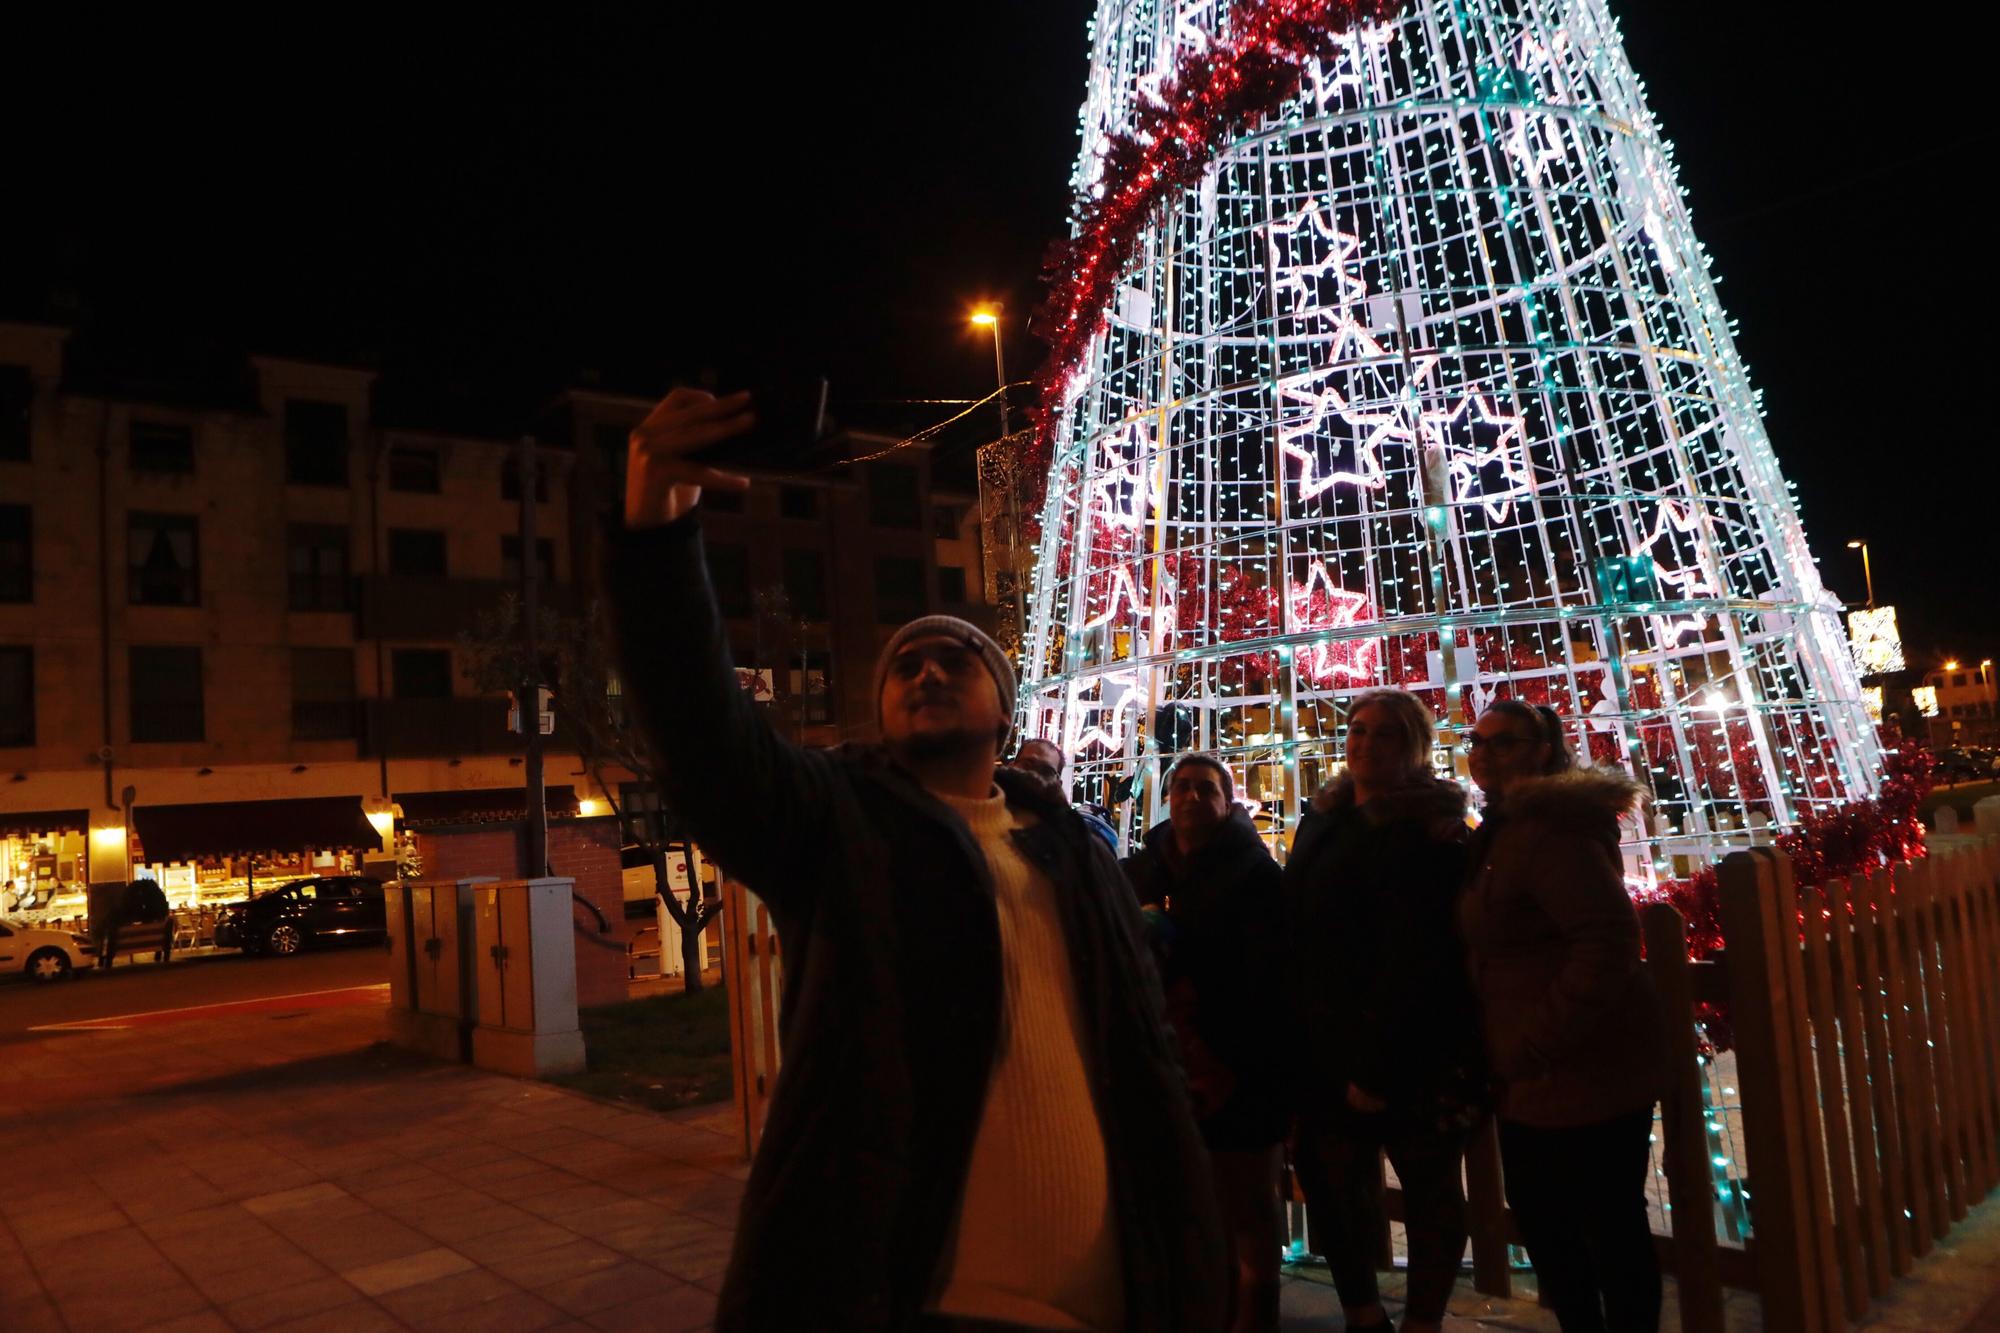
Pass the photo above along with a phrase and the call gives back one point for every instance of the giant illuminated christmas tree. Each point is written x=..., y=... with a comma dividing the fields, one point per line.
x=1383, y=353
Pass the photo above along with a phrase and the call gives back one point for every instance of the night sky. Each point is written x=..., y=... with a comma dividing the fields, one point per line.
x=485, y=208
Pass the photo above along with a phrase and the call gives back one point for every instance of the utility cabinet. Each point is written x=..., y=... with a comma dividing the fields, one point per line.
x=431, y=987
x=524, y=978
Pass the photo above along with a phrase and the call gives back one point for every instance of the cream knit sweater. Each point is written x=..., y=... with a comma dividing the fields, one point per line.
x=1037, y=1243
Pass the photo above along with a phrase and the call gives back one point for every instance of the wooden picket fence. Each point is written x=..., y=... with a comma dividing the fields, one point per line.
x=1867, y=1037
x=1866, y=1018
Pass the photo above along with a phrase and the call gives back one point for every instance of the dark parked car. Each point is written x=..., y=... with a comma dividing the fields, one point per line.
x=1968, y=763
x=305, y=911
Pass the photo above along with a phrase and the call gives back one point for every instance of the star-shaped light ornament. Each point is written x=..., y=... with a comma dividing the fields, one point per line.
x=1301, y=278
x=1320, y=603
x=1112, y=710
x=1316, y=390
x=1467, y=465
x=1676, y=524
x=1123, y=484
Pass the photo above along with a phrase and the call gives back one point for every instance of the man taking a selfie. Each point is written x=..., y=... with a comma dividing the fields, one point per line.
x=979, y=1124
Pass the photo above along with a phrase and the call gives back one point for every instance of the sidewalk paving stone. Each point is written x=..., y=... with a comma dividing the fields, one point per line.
x=464, y=1290
x=556, y=1263
x=250, y=1173
x=621, y=1283
x=407, y=1270
x=281, y=1300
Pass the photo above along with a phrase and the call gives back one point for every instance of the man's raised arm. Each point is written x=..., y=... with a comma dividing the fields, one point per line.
x=757, y=804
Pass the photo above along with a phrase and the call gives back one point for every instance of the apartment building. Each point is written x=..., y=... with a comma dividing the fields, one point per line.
x=1968, y=704
x=229, y=624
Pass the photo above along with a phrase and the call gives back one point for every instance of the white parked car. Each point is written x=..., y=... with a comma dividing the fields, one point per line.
x=42, y=955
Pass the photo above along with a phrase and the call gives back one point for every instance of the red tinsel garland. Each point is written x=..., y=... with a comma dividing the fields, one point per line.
x=1858, y=838
x=1215, y=93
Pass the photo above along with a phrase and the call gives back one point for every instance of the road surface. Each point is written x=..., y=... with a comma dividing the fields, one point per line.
x=188, y=983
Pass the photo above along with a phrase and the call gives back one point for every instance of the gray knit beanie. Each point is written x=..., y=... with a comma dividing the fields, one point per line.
x=951, y=627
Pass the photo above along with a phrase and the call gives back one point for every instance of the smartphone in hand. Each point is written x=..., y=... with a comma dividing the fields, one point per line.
x=791, y=420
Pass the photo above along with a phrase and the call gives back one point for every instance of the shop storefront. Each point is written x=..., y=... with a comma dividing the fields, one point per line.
x=223, y=851
x=44, y=864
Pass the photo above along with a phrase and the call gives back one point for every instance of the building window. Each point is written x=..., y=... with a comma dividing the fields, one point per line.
x=416, y=468
x=893, y=500
x=805, y=583
x=17, y=553
x=17, y=396
x=798, y=502
x=813, y=688
x=944, y=523
x=899, y=589
x=647, y=819
x=316, y=563
x=166, y=694
x=729, y=575
x=315, y=443
x=322, y=694
x=163, y=559
x=613, y=440
x=417, y=551
x=17, y=696
x=420, y=673
x=161, y=446
x=510, y=559
x=510, y=477
x=1958, y=681
x=951, y=585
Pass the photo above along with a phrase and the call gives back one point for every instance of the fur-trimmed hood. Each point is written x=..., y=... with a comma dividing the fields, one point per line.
x=1436, y=803
x=1575, y=798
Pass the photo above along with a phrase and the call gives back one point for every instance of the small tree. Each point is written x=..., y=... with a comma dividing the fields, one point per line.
x=590, y=710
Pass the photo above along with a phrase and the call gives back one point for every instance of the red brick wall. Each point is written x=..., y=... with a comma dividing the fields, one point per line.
x=462, y=853
x=585, y=850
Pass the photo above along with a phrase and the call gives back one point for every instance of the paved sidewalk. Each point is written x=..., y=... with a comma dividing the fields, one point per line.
x=283, y=1169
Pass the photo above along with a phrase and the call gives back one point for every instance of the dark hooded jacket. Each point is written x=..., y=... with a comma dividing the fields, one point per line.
x=889, y=1023
x=1370, y=895
x=1222, y=947
x=1573, y=1027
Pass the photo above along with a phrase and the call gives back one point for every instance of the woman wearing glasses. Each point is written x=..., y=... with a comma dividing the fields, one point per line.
x=1391, y=1043
x=1573, y=1029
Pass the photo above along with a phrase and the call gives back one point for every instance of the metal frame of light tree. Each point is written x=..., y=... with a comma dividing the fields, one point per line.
x=1427, y=385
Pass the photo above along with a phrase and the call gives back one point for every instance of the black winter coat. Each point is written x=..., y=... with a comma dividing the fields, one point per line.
x=889, y=1024
x=1371, y=895
x=1224, y=971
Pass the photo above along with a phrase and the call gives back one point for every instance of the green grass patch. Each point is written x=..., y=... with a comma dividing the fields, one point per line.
x=664, y=1052
x=1959, y=798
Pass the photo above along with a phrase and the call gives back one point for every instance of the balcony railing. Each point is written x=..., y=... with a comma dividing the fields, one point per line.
x=434, y=728
x=423, y=607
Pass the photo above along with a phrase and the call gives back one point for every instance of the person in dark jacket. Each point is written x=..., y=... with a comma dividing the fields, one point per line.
x=1045, y=759
x=979, y=1122
x=1207, y=874
x=1572, y=1024
x=1391, y=1039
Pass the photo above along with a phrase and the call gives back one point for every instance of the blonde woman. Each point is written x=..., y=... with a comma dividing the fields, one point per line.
x=1391, y=1048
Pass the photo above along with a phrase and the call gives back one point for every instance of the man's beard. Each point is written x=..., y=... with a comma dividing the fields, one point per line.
x=927, y=747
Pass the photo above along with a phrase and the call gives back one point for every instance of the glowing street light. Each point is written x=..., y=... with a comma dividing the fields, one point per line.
x=1867, y=572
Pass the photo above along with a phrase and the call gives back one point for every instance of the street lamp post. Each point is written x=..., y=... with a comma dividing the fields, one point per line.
x=1867, y=572
x=988, y=317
